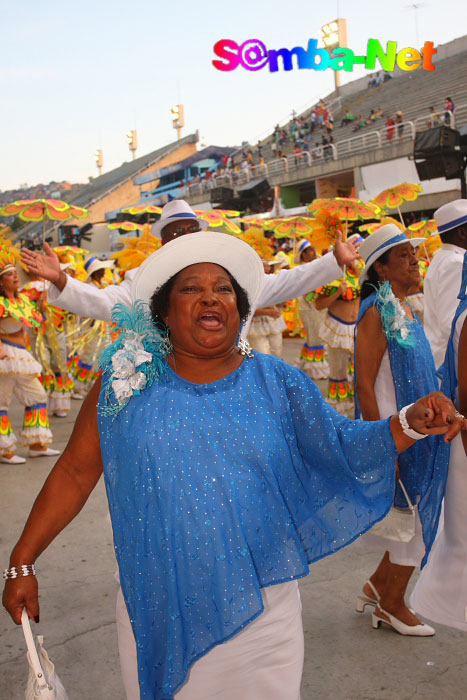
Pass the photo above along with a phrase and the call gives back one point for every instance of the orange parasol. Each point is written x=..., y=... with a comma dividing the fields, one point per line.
x=125, y=226
x=217, y=220
x=289, y=226
x=393, y=197
x=142, y=209
x=371, y=228
x=42, y=209
x=347, y=208
x=426, y=228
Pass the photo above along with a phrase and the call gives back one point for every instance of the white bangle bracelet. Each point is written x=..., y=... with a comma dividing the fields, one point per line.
x=406, y=427
x=18, y=571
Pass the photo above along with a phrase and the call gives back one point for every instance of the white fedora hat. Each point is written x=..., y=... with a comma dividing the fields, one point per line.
x=93, y=264
x=450, y=216
x=379, y=242
x=177, y=210
x=236, y=256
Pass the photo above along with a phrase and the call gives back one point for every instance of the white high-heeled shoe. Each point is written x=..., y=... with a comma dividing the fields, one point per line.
x=420, y=630
x=364, y=600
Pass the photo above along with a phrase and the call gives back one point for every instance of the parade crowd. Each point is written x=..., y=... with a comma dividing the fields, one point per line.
x=227, y=473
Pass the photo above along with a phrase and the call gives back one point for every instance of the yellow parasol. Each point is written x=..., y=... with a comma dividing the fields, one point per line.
x=393, y=197
x=42, y=209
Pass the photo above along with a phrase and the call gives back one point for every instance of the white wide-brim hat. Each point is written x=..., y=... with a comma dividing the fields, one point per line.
x=177, y=210
x=234, y=255
x=93, y=264
x=379, y=242
x=450, y=216
x=303, y=246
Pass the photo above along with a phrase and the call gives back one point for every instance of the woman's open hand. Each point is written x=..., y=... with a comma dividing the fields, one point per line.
x=19, y=593
x=435, y=414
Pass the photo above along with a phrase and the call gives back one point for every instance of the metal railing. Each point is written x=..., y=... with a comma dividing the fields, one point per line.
x=430, y=120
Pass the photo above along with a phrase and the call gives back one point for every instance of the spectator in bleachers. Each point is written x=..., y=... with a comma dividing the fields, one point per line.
x=434, y=118
x=372, y=80
x=449, y=109
x=390, y=128
x=349, y=117
x=400, y=124
x=379, y=113
x=386, y=76
x=360, y=122
x=371, y=117
x=297, y=156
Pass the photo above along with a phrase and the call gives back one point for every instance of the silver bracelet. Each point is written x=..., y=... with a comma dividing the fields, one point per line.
x=17, y=571
x=406, y=427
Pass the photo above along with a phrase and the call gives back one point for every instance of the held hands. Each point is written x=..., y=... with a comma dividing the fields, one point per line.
x=345, y=252
x=46, y=266
x=435, y=414
x=19, y=593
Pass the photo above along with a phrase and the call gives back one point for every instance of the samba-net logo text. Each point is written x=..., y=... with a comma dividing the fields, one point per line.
x=253, y=55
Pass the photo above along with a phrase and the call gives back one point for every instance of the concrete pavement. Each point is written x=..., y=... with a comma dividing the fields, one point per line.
x=345, y=659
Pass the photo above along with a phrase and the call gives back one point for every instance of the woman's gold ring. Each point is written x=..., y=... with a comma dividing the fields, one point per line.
x=459, y=415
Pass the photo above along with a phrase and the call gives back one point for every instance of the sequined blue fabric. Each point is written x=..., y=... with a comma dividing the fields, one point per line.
x=216, y=490
x=414, y=375
x=448, y=370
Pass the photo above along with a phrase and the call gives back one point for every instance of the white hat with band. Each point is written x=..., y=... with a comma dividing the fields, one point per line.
x=231, y=253
x=177, y=210
x=450, y=216
x=377, y=243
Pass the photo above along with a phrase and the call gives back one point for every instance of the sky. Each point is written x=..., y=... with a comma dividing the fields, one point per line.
x=77, y=76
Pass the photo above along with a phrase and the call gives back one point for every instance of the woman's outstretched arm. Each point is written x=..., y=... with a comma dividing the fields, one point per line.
x=63, y=495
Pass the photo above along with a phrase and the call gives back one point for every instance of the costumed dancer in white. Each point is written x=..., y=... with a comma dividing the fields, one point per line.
x=265, y=334
x=19, y=371
x=394, y=364
x=93, y=331
x=440, y=593
x=443, y=279
x=312, y=359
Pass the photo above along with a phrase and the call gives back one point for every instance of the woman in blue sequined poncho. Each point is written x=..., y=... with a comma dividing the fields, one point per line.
x=394, y=365
x=226, y=474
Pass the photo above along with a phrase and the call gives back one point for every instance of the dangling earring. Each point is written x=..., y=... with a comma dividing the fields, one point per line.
x=244, y=347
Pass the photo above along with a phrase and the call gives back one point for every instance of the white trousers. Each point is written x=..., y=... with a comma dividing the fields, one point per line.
x=262, y=662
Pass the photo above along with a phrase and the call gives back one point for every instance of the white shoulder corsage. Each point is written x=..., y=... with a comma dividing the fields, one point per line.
x=393, y=317
x=135, y=359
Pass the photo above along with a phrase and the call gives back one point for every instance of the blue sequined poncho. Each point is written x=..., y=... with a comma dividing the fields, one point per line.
x=217, y=490
x=414, y=375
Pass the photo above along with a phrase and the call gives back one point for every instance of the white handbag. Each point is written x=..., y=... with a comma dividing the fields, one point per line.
x=43, y=682
x=399, y=523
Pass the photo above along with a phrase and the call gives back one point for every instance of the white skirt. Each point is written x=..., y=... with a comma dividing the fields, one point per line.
x=262, y=662
x=18, y=361
x=337, y=333
x=440, y=593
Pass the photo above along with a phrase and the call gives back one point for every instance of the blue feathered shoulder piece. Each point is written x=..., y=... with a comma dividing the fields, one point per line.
x=135, y=359
x=396, y=325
